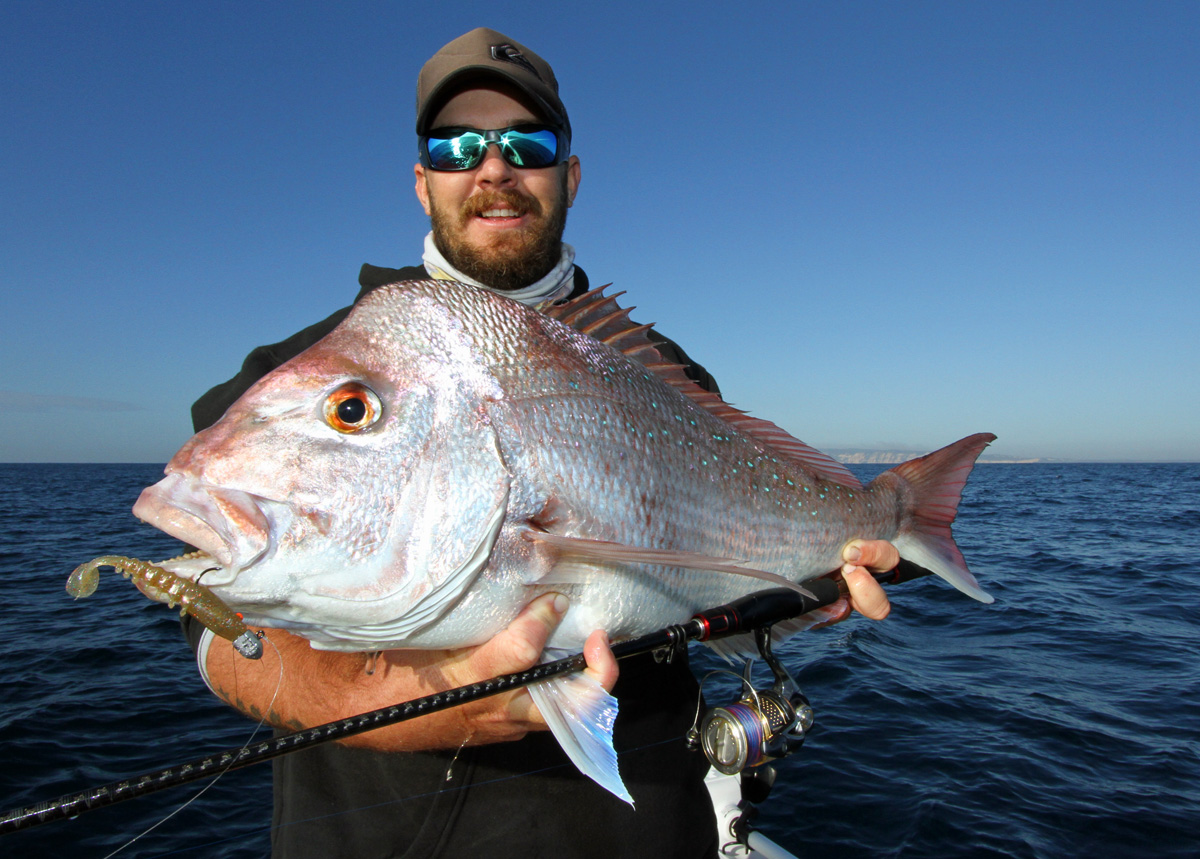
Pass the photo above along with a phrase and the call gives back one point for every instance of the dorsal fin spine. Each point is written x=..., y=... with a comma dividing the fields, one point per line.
x=611, y=319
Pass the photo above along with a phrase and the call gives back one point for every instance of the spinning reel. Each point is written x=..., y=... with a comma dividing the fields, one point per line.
x=763, y=725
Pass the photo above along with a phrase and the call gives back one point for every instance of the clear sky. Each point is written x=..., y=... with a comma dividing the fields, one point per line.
x=877, y=223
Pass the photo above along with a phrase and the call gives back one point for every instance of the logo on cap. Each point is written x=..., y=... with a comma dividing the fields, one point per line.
x=509, y=54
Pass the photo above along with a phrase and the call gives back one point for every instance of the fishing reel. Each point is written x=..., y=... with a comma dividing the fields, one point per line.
x=763, y=725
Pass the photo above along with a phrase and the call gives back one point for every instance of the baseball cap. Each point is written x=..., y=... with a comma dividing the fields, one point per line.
x=484, y=53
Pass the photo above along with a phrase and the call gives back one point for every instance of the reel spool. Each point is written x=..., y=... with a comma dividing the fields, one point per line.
x=763, y=725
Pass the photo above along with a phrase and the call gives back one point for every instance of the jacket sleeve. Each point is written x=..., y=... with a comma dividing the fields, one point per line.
x=671, y=351
x=207, y=410
x=668, y=348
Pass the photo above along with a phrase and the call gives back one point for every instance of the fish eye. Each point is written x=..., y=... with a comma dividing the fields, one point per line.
x=352, y=408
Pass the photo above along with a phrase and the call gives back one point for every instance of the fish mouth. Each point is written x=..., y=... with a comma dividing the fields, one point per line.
x=227, y=524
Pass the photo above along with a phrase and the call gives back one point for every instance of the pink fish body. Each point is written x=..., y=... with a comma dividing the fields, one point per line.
x=446, y=454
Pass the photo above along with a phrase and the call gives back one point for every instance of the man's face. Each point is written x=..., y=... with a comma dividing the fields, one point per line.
x=499, y=224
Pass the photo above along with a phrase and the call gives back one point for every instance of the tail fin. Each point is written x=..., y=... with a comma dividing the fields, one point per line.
x=935, y=482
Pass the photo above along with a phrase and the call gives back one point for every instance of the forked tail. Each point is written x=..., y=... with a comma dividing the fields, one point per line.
x=932, y=486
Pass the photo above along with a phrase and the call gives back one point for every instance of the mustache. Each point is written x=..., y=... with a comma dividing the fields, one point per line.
x=506, y=199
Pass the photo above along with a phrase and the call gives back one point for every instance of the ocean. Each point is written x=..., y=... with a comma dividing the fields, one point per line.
x=1061, y=721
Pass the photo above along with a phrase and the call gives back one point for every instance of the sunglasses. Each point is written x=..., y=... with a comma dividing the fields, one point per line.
x=528, y=146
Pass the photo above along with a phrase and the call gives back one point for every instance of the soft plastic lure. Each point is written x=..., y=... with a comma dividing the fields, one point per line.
x=164, y=586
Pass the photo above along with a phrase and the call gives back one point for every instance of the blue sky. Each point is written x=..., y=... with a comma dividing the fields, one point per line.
x=878, y=224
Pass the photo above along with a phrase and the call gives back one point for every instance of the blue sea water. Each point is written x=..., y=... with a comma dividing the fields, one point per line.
x=1062, y=721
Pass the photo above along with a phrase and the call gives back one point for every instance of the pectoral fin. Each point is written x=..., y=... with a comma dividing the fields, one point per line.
x=578, y=556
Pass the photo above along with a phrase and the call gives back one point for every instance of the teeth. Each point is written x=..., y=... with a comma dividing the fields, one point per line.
x=500, y=213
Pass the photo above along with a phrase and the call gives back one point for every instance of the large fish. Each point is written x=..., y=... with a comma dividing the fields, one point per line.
x=447, y=454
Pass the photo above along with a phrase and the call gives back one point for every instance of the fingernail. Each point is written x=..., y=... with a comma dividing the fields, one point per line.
x=852, y=554
x=561, y=604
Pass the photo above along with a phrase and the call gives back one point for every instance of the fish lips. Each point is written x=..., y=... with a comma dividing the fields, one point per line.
x=227, y=524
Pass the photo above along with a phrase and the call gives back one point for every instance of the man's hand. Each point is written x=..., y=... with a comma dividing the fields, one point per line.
x=315, y=687
x=866, y=594
x=511, y=715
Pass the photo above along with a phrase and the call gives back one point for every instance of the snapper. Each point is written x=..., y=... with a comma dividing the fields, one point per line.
x=447, y=454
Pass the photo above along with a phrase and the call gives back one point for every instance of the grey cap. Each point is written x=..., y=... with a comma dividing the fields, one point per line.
x=484, y=53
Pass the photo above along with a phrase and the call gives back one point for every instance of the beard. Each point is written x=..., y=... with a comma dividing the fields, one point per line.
x=514, y=259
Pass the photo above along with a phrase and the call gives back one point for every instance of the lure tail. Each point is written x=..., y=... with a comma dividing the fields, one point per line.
x=932, y=487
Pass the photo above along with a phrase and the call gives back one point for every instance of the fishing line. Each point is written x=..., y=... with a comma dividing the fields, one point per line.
x=694, y=733
x=450, y=766
x=217, y=777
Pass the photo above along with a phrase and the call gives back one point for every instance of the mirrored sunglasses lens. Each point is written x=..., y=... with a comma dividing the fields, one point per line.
x=461, y=152
x=529, y=148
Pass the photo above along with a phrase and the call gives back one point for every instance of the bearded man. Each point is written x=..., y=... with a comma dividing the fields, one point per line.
x=496, y=177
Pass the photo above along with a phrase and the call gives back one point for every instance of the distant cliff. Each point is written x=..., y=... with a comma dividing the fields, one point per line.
x=893, y=457
x=883, y=457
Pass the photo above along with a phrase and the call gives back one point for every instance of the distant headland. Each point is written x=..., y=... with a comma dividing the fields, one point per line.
x=860, y=456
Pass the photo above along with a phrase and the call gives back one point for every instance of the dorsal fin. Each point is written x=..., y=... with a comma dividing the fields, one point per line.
x=599, y=316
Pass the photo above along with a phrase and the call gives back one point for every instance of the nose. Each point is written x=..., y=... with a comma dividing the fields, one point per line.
x=494, y=169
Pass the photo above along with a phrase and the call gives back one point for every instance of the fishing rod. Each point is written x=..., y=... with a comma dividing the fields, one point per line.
x=749, y=614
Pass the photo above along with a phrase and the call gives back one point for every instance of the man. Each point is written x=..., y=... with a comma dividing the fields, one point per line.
x=496, y=178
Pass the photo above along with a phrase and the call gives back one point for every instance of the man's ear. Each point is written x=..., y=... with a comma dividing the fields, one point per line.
x=422, y=188
x=573, y=175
